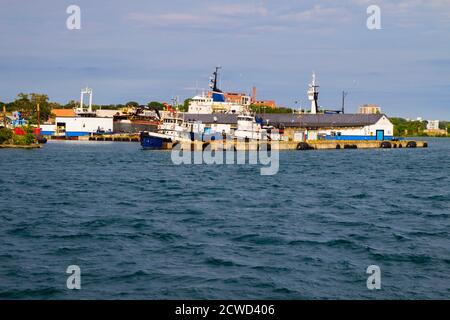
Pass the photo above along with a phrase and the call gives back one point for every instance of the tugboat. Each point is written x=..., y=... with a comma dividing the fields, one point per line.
x=248, y=128
x=172, y=128
x=251, y=128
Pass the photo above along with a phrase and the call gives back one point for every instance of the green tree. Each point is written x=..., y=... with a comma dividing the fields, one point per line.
x=403, y=127
x=22, y=104
x=267, y=109
x=72, y=104
x=27, y=105
x=44, y=105
x=133, y=104
x=186, y=104
x=5, y=135
x=156, y=105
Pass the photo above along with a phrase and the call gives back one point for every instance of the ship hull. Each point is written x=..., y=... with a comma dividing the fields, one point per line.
x=153, y=141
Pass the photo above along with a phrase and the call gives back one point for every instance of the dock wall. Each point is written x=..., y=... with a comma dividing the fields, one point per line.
x=292, y=145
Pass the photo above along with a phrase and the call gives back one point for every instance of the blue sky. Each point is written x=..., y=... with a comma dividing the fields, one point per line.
x=154, y=50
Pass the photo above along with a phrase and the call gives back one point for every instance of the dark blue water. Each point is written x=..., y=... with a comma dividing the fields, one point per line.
x=140, y=227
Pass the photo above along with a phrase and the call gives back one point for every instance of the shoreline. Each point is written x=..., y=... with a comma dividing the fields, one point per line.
x=18, y=146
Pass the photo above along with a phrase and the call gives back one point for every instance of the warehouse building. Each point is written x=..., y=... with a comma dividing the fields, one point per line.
x=299, y=127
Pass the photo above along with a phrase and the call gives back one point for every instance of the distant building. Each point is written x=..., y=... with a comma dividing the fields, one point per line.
x=107, y=113
x=63, y=112
x=78, y=126
x=369, y=109
x=15, y=120
x=238, y=98
x=267, y=103
x=433, y=125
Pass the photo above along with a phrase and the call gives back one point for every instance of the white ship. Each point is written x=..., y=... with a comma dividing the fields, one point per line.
x=216, y=103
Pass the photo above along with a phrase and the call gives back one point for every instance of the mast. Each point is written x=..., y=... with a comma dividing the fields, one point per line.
x=217, y=94
x=214, y=79
x=313, y=94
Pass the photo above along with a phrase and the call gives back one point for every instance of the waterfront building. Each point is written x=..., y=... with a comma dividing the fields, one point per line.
x=78, y=126
x=265, y=103
x=433, y=125
x=80, y=121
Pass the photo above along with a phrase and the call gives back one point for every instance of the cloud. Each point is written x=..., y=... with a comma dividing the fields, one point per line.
x=318, y=13
x=209, y=16
x=241, y=9
x=166, y=18
x=256, y=17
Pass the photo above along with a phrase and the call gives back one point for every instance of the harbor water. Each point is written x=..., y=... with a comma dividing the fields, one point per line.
x=140, y=227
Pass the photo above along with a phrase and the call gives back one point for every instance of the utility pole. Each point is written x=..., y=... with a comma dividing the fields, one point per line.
x=39, y=117
x=4, y=115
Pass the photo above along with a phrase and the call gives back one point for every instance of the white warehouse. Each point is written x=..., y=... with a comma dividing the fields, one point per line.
x=78, y=126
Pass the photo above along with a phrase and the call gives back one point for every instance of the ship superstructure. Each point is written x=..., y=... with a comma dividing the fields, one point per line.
x=216, y=102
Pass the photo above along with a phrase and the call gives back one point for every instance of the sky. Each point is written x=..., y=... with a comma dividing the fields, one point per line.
x=143, y=51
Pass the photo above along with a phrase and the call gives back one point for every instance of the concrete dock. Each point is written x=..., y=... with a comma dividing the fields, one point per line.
x=256, y=145
x=17, y=146
x=294, y=145
x=103, y=137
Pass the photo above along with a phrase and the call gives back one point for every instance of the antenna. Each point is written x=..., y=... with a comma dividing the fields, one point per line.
x=313, y=94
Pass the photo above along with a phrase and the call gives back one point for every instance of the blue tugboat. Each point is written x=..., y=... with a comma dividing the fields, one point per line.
x=171, y=129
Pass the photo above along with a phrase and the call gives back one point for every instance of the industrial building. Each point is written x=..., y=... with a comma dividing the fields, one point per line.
x=369, y=109
x=77, y=126
x=81, y=121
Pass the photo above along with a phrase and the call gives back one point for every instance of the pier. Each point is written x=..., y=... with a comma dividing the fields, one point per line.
x=255, y=145
x=131, y=137
x=294, y=145
x=20, y=146
x=113, y=137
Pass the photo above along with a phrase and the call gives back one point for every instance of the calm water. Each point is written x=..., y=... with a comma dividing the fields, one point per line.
x=140, y=227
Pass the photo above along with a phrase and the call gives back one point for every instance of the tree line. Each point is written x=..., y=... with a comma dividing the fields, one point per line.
x=403, y=127
x=26, y=103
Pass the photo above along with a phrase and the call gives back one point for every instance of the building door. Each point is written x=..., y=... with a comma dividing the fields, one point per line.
x=380, y=135
x=61, y=128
